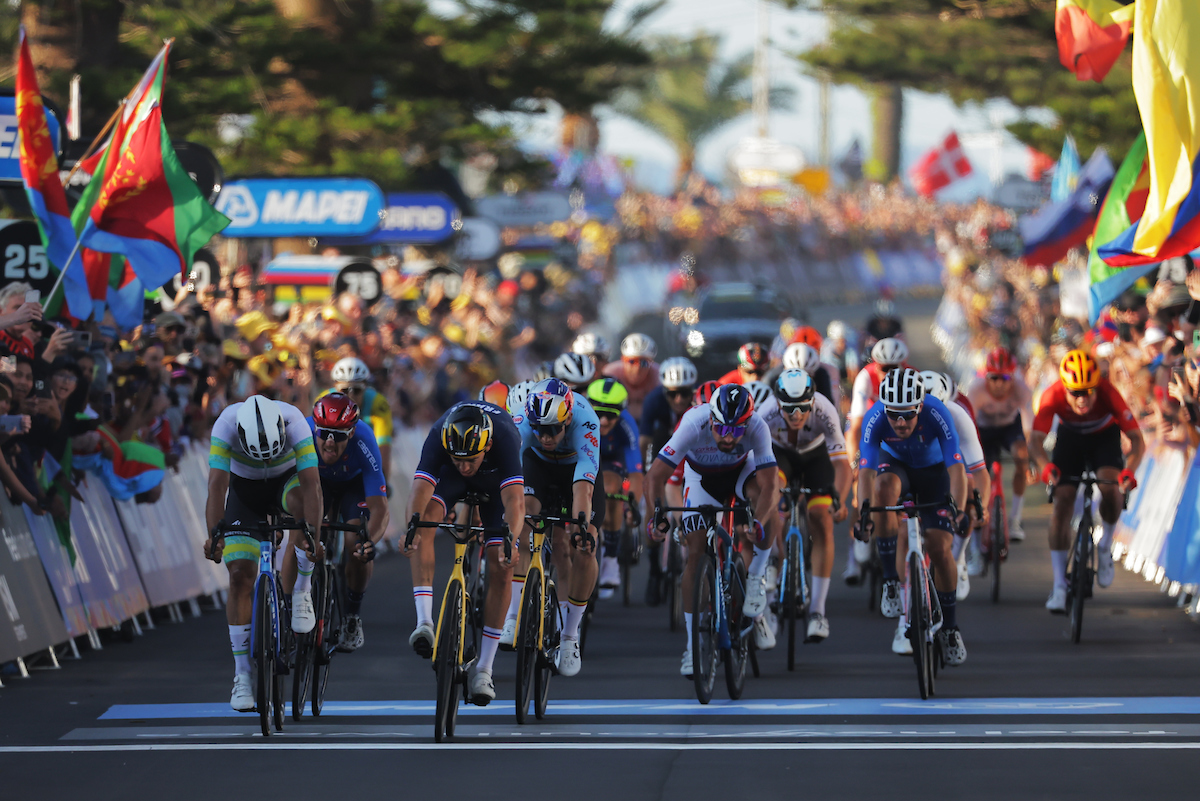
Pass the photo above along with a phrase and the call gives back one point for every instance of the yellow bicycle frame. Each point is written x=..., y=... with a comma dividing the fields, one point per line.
x=460, y=553
x=538, y=539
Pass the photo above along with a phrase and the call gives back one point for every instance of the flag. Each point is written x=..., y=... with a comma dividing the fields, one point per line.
x=148, y=208
x=1166, y=58
x=1091, y=35
x=39, y=173
x=1055, y=228
x=1066, y=172
x=941, y=166
x=1122, y=207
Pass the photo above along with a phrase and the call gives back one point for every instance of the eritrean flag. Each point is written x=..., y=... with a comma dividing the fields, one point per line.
x=1166, y=61
x=1091, y=35
x=1122, y=208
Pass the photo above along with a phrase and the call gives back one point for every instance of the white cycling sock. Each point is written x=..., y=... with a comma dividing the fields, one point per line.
x=1014, y=512
x=304, y=568
x=514, y=603
x=687, y=622
x=957, y=546
x=423, y=600
x=758, y=565
x=820, y=589
x=239, y=641
x=487, y=648
x=1106, y=537
x=1058, y=565
x=575, y=610
x=563, y=607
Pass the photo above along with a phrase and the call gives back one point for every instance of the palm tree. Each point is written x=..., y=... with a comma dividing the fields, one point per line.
x=687, y=94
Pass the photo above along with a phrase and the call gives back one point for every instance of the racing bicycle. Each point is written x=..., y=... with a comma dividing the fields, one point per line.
x=1081, y=564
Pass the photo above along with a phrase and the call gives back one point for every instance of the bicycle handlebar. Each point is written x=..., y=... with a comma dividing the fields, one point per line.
x=1089, y=479
x=789, y=493
x=540, y=522
x=461, y=532
x=289, y=524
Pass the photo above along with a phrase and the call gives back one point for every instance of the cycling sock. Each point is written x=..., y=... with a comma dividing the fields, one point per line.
x=354, y=601
x=758, y=564
x=304, y=567
x=423, y=599
x=957, y=546
x=608, y=564
x=887, y=557
x=514, y=603
x=1106, y=538
x=487, y=649
x=575, y=610
x=563, y=608
x=1014, y=512
x=948, y=600
x=612, y=542
x=687, y=622
x=239, y=641
x=820, y=589
x=1058, y=564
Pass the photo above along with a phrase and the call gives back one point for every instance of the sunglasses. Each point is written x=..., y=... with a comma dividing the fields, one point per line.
x=999, y=377
x=1081, y=393
x=908, y=415
x=607, y=415
x=352, y=390
x=798, y=408
x=729, y=431
x=637, y=362
x=336, y=436
x=679, y=393
x=549, y=430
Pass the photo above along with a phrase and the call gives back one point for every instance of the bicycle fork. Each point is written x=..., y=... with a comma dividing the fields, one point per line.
x=266, y=572
x=930, y=596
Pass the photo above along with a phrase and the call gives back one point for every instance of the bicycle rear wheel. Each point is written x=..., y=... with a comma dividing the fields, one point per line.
x=446, y=663
x=791, y=597
x=999, y=544
x=551, y=626
x=918, y=621
x=704, y=631
x=264, y=655
x=739, y=651
x=528, y=640
x=1078, y=576
x=875, y=580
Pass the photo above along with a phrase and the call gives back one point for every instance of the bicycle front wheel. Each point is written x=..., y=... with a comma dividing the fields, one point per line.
x=740, y=644
x=791, y=597
x=999, y=544
x=328, y=631
x=551, y=626
x=1079, y=575
x=918, y=623
x=446, y=663
x=264, y=655
x=674, y=582
x=704, y=630
x=528, y=640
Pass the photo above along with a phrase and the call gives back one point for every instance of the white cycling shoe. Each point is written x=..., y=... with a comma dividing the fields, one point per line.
x=852, y=575
x=685, y=666
x=242, y=697
x=509, y=635
x=483, y=689
x=567, y=660
x=421, y=640
x=900, y=643
x=1057, y=602
x=1016, y=533
x=352, y=634
x=953, y=647
x=975, y=562
x=818, y=628
x=756, y=596
x=964, y=583
x=1105, y=570
x=890, y=603
x=764, y=634
x=304, y=618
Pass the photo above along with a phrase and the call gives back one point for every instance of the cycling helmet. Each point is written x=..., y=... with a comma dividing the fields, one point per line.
x=335, y=411
x=808, y=335
x=837, y=330
x=902, y=389
x=608, y=395
x=799, y=356
x=467, y=431
x=574, y=368
x=938, y=385
x=1001, y=361
x=350, y=371
x=1079, y=371
x=591, y=345
x=885, y=308
x=731, y=405
x=794, y=386
x=638, y=346
x=759, y=390
x=889, y=352
x=753, y=356
x=517, y=397
x=495, y=392
x=543, y=371
x=550, y=403
x=260, y=428
x=677, y=372
x=704, y=393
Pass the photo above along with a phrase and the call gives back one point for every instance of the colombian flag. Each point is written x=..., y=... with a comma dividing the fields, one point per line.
x=1091, y=35
x=1166, y=59
x=1122, y=208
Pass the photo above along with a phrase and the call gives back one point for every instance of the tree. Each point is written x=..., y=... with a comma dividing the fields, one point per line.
x=686, y=93
x=975, y=50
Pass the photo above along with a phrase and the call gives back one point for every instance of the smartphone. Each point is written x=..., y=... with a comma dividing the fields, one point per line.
x=33, y=296
x=10, y=423
x=40, y=389
x=82, y=340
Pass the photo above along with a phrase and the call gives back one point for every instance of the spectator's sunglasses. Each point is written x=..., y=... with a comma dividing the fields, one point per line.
x=679, y=393
x=999, y=377
x=795, y=408
x=908, y=414
x=1081, y=393
x=329, y=433
x=549, y=430
x=729, y=431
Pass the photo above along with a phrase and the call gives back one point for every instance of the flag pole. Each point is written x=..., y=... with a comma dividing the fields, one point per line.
x=95, y=142
x=62, y=274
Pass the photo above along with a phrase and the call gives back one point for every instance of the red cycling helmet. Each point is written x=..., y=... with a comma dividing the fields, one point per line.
x=496, y=393
x=753, y=356
x=1001, y=361
x=704, y=393
x=808, y=335
x=335, y=411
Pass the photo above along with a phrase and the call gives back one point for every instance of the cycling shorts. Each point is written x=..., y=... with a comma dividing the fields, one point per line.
x=997, y=439
x=925, y=485
x=345, y=500
x=248, y=505
x=453, y=486
x=1075, y=452
x=713, y=489
x=554, y=487
x=812, y=470
x=614, y=467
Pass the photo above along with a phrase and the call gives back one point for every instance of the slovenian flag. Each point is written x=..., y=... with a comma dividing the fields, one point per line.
x=1122, y=208
x=1091, y=35
x=1057, y=227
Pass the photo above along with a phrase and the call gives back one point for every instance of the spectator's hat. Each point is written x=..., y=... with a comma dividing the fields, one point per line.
x=254, y=324
x=1153, y=336
x=169, y=320
x=235, y=350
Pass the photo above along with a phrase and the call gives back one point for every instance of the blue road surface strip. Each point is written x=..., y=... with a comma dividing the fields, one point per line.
x=804, y=707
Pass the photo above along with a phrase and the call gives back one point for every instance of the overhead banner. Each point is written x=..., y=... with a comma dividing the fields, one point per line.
x=478, y=240
x=29, y=618
x=10, y=162
x=412, y=218
x=305, y=207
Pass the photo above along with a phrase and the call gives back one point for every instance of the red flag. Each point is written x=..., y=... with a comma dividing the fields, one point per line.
x=1039, y=164
x=1091, y=35
x=940, y=167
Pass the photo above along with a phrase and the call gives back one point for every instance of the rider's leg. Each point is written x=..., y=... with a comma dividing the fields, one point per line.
x=945, y=572
x=695, y=552
x=423, y=562
x=614, y=517
x=521, y=568
x=888, y=531
x=1020, y=453
x=1110, y=506
x=1060, y=531
x=495, y=605
x=820, y=527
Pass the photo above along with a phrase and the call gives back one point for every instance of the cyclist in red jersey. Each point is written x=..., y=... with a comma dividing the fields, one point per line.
x=1092, y=415
x=753, y=363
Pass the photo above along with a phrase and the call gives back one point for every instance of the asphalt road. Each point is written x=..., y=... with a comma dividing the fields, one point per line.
x=1029, y=712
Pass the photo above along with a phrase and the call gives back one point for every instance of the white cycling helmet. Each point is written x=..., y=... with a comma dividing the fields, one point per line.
x=794, y=387
x=799, y=356
x=517, y=395
x=759, y=390
x=638, y=346
x=591, y=345
x=260, y=428
x=889, y=351
x=574, y=368
x=543, y=371
x=350, y=371
x=837, y=330
x=902, y=388
x=678, y=371
x=938, y=385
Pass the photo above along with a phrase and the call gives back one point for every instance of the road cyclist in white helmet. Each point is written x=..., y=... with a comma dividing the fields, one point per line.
x=801, y=356
x=637, y=371
x=575, y=370
x=352, y=377
x=595, y=347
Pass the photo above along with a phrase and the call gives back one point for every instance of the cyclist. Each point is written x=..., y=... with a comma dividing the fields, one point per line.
x=575, y=370
x=517, y=395
x=353, y=488
x=594, y=346
x=473, y=447
x=839, y=351
x=760, y=391
x=1092, y=415
x=809, y=447
x=727, y=449
x=619, y=459
x=495, y=393
x=637, y=371
x=800, y=356
x=1003, y=407
x=910, y=447
x=883, y=324
x=752, y=364
x=561, y=460
x=352, y=377
x=261, y=463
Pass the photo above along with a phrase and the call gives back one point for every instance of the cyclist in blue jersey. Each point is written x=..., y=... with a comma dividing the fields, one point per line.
x=353, y=489
x=910, y=447
x=620, y=459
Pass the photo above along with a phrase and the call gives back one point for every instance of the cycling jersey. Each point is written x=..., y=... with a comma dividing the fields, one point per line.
x=637, y=392
x=501, y=466
x=693, y=441
x=1108, y=410
x=844, y=363
x=968, y=436
x=820, y=429
x=935, y=439
x=866, y=388
x=580, y=446
x=375, y=410
x=620, y=446
x=658, y=418
x=992, y=412
x=734, y=376
x=360, y=459
x=225, y=448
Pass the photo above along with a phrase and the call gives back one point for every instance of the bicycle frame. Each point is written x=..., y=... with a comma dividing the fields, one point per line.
x=460, y=553
x=266, y=572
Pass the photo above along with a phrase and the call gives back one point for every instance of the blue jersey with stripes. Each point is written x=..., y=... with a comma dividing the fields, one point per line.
x=361, y=458
x=934, y=441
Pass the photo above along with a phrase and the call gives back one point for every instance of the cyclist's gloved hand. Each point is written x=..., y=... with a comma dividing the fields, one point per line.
x=1127, y=480
x=365, y=551
x=862, y=527
x=1051, y=474
x=659, y=524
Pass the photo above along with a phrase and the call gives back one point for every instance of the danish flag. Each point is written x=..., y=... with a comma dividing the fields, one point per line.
x=940, y=167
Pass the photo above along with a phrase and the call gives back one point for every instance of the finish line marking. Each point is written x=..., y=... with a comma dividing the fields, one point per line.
x=688, y=708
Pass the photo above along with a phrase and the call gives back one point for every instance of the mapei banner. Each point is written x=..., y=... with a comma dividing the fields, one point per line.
x=309, y=207
x=10, y=151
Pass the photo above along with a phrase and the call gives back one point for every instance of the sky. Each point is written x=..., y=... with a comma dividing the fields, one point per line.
x=927, y=118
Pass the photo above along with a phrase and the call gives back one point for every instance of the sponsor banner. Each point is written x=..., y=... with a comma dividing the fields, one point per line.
x=1181, y=557
x=412, y=218
x=186, y=493
x=29, y=617
x=163, y=550
x=57, y=564
x=10, y=163
x=283, y=207
x=525, y=209
x=108, y=579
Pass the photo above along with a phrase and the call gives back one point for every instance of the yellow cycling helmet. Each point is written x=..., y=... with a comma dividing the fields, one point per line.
x=1079, y=371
